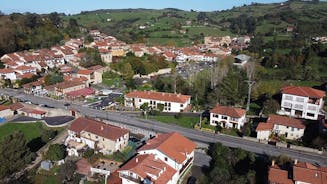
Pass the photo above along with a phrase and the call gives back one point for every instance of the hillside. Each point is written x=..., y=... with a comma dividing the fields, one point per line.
x=178, y=27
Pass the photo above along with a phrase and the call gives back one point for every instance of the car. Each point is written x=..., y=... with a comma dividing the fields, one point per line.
x=67, y=104
x=191, y=180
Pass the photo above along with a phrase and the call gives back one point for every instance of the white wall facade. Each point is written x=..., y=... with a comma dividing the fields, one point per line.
x=263, y=134
x=11, y=76
x=168, y=106
x=289, y=132
x=300, y=107
x=227, y=121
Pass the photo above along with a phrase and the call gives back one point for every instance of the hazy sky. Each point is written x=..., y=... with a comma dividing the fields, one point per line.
x=75, y=6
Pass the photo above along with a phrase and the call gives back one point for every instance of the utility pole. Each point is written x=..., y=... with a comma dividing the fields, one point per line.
x=250, y=83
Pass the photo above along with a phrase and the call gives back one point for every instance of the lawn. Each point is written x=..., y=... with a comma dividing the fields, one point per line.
x=112, y=80
x=30, y=130
x=187, y=122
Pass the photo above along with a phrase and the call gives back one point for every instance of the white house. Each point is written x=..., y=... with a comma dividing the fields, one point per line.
x=171, y=102
x=291, y=128
x=5, y=111
x=147, y=169
x=173, y=155
x=302, y=102
x=8, y=73
x=96, y=135
x=34, y=113
x=227, y=117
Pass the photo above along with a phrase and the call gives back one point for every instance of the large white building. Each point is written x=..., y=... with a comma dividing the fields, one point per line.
x=281, y=125
x=164, y=159
x=171, y=102
x=102, y=137
x=302, y=102
x=227, y=117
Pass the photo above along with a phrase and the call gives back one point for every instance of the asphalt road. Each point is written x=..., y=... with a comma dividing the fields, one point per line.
x=195, y=135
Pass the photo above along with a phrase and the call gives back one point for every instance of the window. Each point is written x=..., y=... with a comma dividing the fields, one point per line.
x=169, y=109
x=182, y=105
x=292, y=129
x=310, y=114
x=169, y=104
x=140, y=100
x=224, y=117
x=166, y=159
x=154, y=102
x=150, y=102
x=287, y=127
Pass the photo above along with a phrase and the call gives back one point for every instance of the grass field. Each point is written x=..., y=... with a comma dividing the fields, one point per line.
x=187, y=122
x=31, y=130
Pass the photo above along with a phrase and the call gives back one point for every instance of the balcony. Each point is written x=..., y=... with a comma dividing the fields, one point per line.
x=130, y=178
x=314, y=101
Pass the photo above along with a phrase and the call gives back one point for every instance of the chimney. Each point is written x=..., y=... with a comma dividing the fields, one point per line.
x=273, y=163
x=102, y=128
x=295, y=161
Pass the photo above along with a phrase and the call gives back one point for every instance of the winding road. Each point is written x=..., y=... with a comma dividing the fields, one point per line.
x=195, y=135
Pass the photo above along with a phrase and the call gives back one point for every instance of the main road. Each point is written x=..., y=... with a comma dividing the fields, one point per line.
x=195, y=135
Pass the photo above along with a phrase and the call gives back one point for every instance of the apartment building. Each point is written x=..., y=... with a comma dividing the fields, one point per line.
x=302, y=102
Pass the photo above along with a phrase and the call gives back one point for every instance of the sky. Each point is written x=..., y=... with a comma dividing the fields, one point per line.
x=76, y=6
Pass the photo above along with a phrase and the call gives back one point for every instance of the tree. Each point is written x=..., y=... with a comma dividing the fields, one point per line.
x=127, y=71
x=56, y=152
x=53, y=78
x=270, y=106
x=92, y=57
x=15, y=154
x=47, y=135
x=67, y=171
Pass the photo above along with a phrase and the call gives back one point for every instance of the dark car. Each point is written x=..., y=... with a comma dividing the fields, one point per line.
x=191, y=180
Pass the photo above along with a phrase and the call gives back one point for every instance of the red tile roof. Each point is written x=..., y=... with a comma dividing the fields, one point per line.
x=167, y=97
x=16, y=106
x=229, y=111
x=85, y=72
x=278, y=176
x=83, y=167
x=82, y=92
x=97, y=128
x=6, y=70
x=32, y=111
x=286, y=121
x=174, y=145
x=264, y=126
x=309, y=173
x=303, y=91
x=147, y=166
x=68, y=84
x=3, y=107
x=24, y=67
x=96, y=67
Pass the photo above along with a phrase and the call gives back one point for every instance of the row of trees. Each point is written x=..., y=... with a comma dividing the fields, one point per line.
x=31, y=31
x=131, y=65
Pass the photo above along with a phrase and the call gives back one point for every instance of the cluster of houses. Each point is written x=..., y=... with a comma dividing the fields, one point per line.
x=162, y=159
x=297, y=103
x=300, y=172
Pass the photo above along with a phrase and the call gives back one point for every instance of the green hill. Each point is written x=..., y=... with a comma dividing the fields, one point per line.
x=178, y=27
